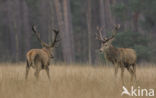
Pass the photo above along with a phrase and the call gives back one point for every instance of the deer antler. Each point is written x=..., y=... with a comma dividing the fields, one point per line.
x=34, y=29
x=116, y=28
x=55, y=38
x=99, y=34
x=114, y=31
x=104, y=39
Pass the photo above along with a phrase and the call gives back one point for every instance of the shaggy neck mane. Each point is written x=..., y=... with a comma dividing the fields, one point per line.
x=111, y=54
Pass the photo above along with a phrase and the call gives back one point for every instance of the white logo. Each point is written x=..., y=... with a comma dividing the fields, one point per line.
x=137, y=92
x=125, y=91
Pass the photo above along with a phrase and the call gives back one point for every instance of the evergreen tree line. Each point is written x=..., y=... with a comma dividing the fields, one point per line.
x=77, y=21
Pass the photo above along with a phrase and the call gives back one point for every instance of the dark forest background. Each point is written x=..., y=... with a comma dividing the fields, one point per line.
x=77, y=21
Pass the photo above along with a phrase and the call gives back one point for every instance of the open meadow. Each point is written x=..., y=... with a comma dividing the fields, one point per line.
x=72, y=81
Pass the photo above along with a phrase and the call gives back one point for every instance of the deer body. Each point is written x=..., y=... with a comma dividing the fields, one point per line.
x=35, y=55
x=120, y=57
x=40, y=58
x=124, y=56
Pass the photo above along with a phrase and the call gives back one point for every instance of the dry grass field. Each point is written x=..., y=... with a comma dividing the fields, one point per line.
x=70, y=81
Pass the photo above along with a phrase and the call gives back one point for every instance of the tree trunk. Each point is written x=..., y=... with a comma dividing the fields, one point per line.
x=14, y=20
x=68, y=30
x=65, y=29
x=114, y=2
x=108, y=13
x=45, y=18
x=12, y=35
x=25, y=26
x=135, y=21
x=59, y=18
x=102, y=15
x=89, y=32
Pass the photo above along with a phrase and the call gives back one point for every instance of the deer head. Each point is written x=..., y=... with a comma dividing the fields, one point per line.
x=48, y=47
x=106, y=41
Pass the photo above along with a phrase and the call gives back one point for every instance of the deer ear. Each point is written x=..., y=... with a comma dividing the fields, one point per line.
x=111, y=40
x=45, y=45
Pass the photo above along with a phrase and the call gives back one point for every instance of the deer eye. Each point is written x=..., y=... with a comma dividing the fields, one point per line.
x=106, y=45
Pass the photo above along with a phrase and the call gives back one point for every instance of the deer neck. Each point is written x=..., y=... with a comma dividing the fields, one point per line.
x=110, y=49
x=111, y=54
x=46, y=51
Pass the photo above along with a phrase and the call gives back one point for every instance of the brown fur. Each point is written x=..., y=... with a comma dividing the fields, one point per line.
x=40, y=58
x=123, y=58
x=120, y=57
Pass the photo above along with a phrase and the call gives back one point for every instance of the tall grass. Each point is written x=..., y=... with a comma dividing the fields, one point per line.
x=70, y=81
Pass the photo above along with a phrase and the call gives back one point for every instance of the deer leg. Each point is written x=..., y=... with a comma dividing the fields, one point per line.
x=131, y=72
x=122, y=74
x=47, y=70
x=134, y=71
x=33, y=61
x=37, y=72
x=116, y=69
x=27, y=70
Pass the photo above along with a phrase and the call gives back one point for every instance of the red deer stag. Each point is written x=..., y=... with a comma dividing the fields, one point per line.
x=120, y=57
x=40, y=58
